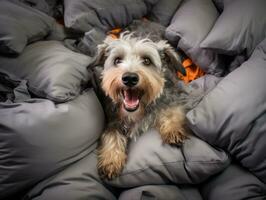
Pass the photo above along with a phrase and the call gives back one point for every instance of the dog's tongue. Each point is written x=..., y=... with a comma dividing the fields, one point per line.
x=131, y=98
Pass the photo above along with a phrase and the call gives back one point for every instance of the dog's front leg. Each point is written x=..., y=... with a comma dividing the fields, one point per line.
x=111, y=153
x=170, y=123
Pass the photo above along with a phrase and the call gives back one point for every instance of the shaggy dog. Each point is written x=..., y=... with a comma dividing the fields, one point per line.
x=141, y=92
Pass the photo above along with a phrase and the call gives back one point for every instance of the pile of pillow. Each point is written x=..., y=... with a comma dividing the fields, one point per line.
x=214, y=39
x=232, y=115
x=84, y=15
x=162, y=164
x=43, y=76
x=39, y=138
x=52, y=70
x=20, y=25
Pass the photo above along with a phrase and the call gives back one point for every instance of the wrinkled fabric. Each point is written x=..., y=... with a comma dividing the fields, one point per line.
x=232, y=115
x=187, y=31
x=83, y=15
x=52, y=70
x=161, y=192
x=20, y=25
x=80, y=180
x=234, y=183
x=240, y=28
x=152, y=162
x=38, y=138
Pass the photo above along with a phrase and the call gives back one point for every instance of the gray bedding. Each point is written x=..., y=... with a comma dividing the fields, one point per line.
x=241, y=93
x=52, y=70
x=39, y=138
x=51, y=117
x=152, y=162
x=188, y=30
x=20, y=25
x=233, y=183
x=83, y=15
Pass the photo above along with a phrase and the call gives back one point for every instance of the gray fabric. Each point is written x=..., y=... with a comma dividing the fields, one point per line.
x=163, y=11
x=232, y=116
x=13, y=90
x=59, y=32
x=91, y=39
x=152, y=162
x=88, y=44
x=160, y=192
x=52, y=70
x=205, y=83
x=241, y=27
x=236, y=61
x=41, y=5
x=234, y=183
x=21, y=24
x=38, y=138
x=189, y=26
x=191, y=192
x=84, y=15
x=50, y=7
x=219, y=4
x=78, y=181
x=146, y=28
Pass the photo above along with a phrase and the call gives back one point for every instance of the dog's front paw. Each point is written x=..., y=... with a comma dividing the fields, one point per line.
x=173, y=136
x=171, y=125
x=111, y=154
x=111, y=164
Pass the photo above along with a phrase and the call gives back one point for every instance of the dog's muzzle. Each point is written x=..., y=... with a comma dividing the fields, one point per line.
x=131, y=95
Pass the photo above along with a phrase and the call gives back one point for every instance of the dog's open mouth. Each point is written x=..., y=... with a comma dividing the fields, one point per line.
x=131, y=99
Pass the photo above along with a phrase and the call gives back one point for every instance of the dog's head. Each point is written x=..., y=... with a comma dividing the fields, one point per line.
x=134, y=72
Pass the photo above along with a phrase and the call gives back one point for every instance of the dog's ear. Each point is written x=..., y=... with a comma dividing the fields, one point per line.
x=169, y=55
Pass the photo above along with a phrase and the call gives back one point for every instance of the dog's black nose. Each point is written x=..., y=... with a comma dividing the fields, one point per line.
x=130, y=79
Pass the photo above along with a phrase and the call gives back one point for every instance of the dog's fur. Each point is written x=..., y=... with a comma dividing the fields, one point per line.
x=160, y=103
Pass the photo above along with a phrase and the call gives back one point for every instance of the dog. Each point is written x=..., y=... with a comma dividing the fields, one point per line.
x=140, y=89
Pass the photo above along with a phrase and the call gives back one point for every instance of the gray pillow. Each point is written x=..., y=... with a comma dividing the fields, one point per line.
x=234, y=183
x=152, y=162
x=38, y=138
x=78, y=181
x=21, y=24
x=220, y=4
x=50, y=7
x=163, y=11
x=160, y=192
x=83, y=15
x=241, y=27
x=232, y=116
x=52, y=70
x=189, y=26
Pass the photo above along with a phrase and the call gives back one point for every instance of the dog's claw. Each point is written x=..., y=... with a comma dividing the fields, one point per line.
x=111, y=154
x=110, y=166
x=110, y=171
x=175, y=137
x=171, y=125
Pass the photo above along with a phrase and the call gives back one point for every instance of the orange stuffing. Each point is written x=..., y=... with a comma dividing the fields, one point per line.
x=192, y=71
x=115, y=33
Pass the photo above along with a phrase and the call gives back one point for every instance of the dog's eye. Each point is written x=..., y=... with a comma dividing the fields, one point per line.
x=146, y=61
x=117, y=60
